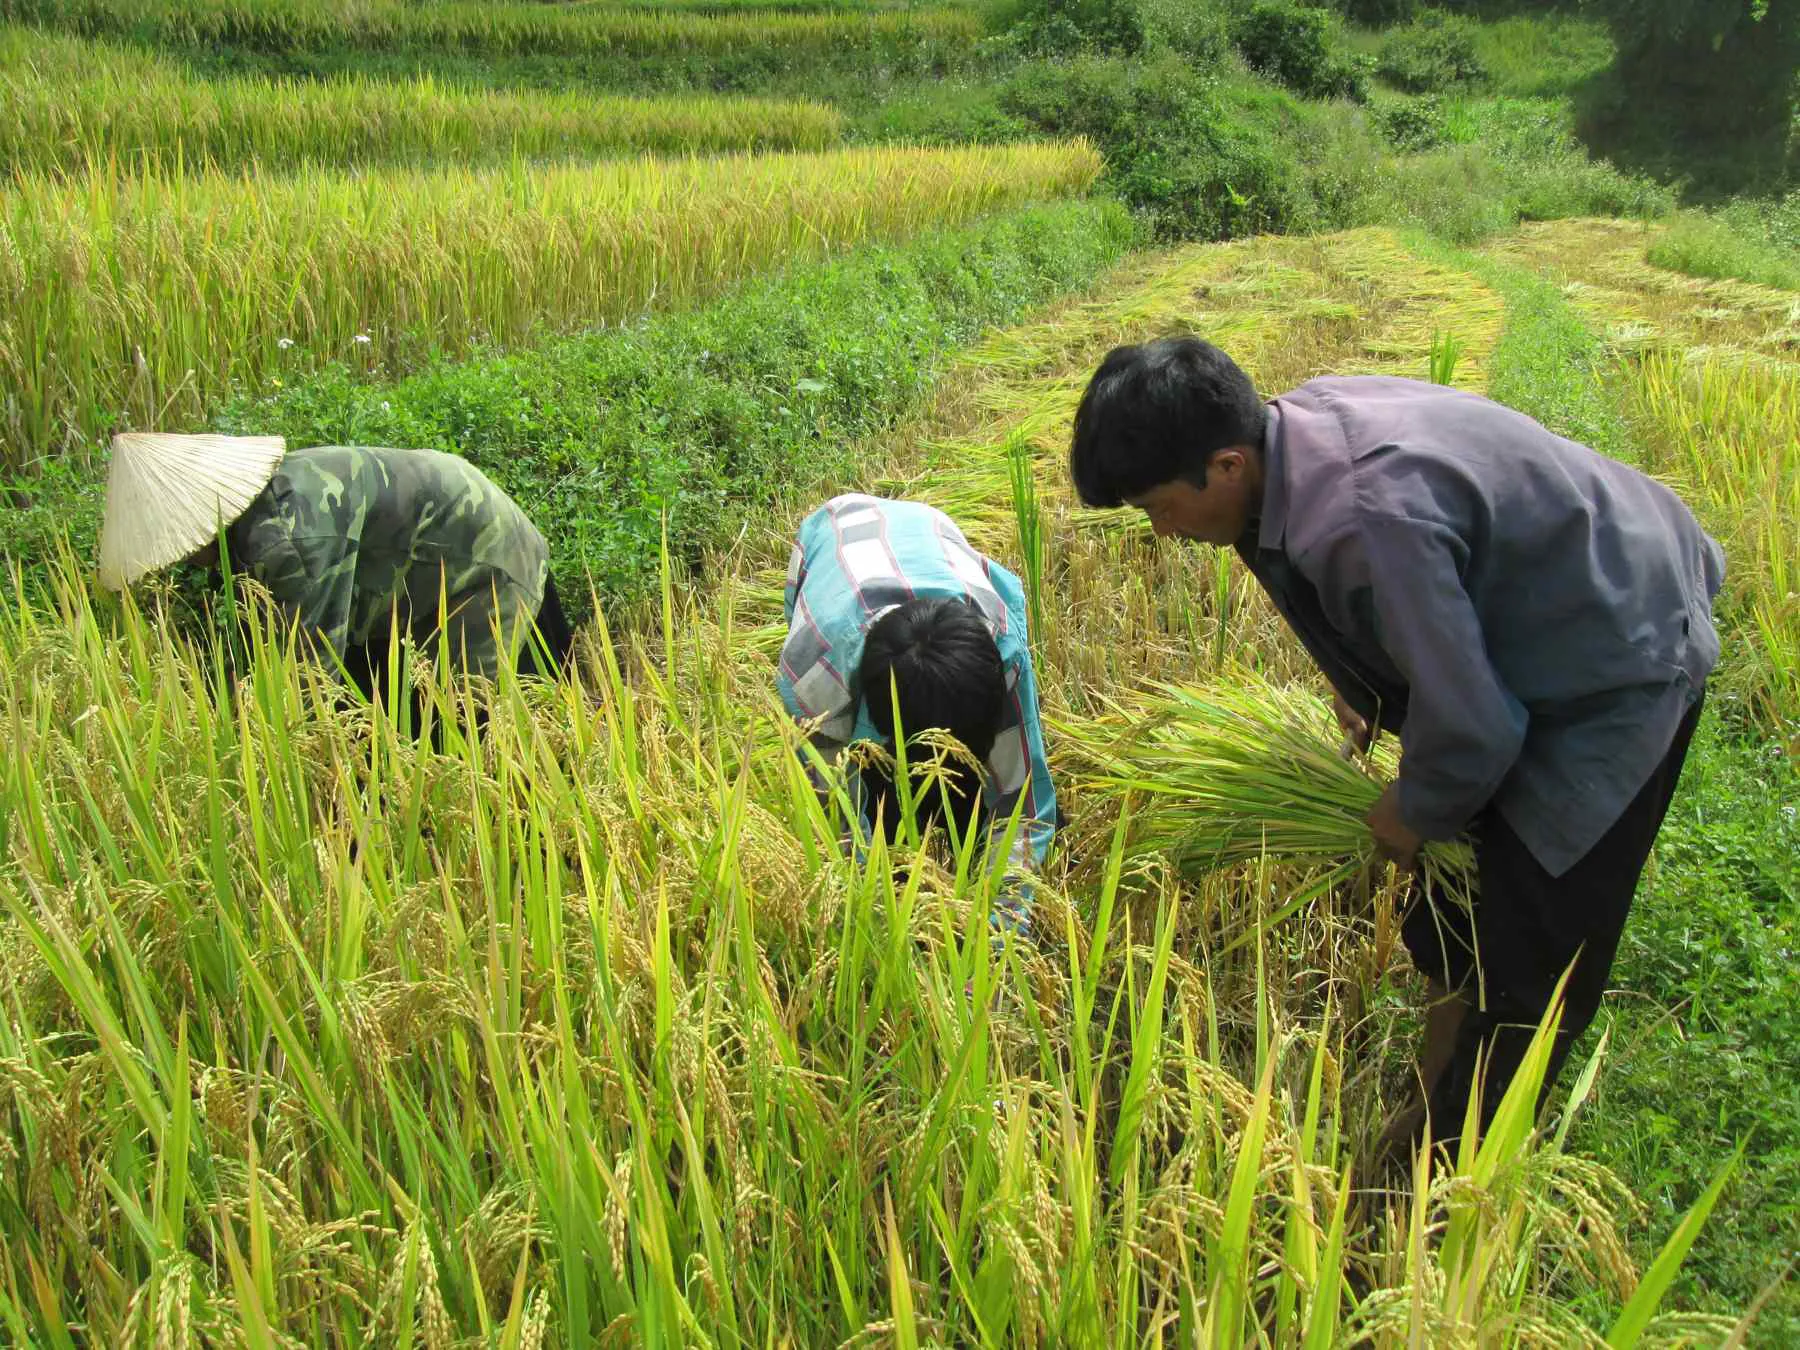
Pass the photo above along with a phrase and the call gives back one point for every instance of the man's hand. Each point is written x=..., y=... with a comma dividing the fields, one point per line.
x=1393, y=839
x=1356, y=728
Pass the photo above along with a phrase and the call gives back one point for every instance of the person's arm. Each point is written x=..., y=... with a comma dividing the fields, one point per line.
x=1464, y=729
x=796, y=577
x=1019, y=775
x=310, y=573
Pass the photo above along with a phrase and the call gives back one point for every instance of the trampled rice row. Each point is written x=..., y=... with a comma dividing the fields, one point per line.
x=138, y=300
x=494, y=30
x=65, y=102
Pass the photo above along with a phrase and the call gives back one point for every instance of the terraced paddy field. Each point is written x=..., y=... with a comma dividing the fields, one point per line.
x=69, y=106
x=570, y=1024
x=583, y=1031
x=150, y=295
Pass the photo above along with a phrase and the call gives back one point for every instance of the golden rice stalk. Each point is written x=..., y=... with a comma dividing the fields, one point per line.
x=1226, y=774
x=491, y=29
x=67, y=103
x=142, y=299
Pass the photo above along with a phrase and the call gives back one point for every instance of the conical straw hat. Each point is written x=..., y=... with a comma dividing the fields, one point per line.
x=167, y=496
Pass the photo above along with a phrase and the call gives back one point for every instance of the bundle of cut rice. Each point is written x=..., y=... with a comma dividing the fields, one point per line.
x=1222, y=775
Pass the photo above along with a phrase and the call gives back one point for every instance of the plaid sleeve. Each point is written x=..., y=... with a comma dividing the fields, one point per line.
x=1020, y=774
x=796, y=577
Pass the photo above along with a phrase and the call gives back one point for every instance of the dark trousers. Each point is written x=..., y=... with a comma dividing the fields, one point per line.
x=1526, y=927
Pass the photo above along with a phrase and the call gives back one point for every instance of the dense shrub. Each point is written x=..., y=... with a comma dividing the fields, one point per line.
x=1296, y=45
x=1194, y=155
x=1434, y=53
x=1412, y=124
x=1378, y=13
x=707, y=415
x=1064, y=27
x=1730, y=65
x=1195, y=29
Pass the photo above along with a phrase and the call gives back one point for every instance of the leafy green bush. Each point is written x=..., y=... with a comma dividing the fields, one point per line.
x=1412, y=124
x=1296, y=45
x=1194, y=30
x=1378, y=13
x=707, y=415
x=1064, y=27
x=1198, y=158
x=1433, y=53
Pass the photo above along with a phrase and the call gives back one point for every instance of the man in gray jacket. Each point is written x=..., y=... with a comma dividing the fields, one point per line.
x=1531, y=618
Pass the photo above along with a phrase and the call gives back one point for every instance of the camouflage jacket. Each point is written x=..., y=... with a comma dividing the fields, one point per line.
x=345, y=537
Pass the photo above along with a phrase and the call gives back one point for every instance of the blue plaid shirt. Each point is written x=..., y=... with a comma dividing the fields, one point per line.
x=857, y=558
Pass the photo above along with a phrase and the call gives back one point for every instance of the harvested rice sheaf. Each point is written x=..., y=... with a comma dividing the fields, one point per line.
x=1224, y=774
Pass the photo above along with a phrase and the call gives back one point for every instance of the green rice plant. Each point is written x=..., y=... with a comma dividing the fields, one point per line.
x=66, y=104
x=490, y=29
x=142, y=299
x=1445, y=352
x=1021, y=461
x=1242, y=771
x=580, y=1024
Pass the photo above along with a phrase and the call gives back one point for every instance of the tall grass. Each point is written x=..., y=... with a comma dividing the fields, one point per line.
x=140, y=299
x=1543, y=55
x=583, y=1025
x=67, y=104
x=489, y=29
x=1728, y=431
x=583, y=1028
x=1748, y=241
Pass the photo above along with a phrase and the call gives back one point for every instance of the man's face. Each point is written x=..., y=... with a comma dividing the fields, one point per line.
x=1214, y=514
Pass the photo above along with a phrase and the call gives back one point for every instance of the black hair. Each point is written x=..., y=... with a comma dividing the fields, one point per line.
x=936, y=658
x=1156, y=412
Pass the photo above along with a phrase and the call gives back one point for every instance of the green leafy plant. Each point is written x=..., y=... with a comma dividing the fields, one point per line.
x=1445, y=351
x=1296, y=45
x=1434, y=53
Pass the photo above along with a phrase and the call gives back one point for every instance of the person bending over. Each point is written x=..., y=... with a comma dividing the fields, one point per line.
x=1531, y=618
x=888, y=607
x=356, y=545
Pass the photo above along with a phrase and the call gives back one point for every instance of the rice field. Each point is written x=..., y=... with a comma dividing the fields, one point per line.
x=576, y=1027
x=1707, y=376
x=581, y=1030
x=1728, y=432
x=69, y=105
x=139, y=299
x=523, y=29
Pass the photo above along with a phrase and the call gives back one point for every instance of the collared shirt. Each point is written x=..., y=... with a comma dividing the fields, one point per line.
x=1531, y=617
x=859, y=557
